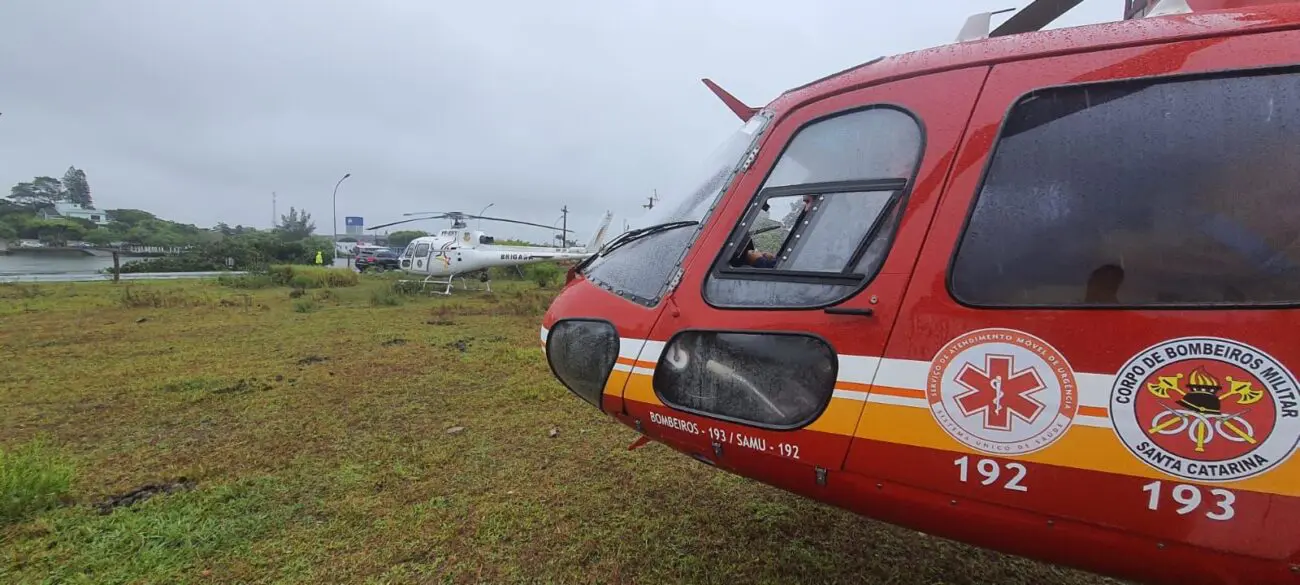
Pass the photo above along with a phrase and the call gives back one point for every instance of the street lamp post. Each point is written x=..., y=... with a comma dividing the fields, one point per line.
x=334, y=257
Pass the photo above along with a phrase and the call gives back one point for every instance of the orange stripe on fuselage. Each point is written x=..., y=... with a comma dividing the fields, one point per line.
x=1082, y=447
x=627, y=361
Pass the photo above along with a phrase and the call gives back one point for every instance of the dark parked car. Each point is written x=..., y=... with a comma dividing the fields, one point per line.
x=377, y=261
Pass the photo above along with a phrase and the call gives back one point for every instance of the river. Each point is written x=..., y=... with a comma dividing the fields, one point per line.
x=70, y=262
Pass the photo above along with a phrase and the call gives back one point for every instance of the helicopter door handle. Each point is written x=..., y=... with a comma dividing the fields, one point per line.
x=849, y=311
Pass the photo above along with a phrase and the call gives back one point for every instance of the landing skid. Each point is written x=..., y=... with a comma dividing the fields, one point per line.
x=448, y=282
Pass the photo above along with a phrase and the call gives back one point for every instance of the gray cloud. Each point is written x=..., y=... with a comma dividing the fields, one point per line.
x=198, y=110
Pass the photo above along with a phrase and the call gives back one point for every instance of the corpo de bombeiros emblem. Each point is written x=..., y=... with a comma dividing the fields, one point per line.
x=1002, y=391
x=1206, y=409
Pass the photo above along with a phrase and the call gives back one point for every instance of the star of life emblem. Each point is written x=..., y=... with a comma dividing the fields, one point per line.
x=1002, y=391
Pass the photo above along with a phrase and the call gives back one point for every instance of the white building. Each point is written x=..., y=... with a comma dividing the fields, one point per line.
x=67, y=209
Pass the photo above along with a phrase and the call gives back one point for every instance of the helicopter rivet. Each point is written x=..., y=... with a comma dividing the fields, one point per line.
x=880, y=486
x=953, y=502
x=874, y=299
x=1160, y=545
x=1295, y=568
x=1051, y=522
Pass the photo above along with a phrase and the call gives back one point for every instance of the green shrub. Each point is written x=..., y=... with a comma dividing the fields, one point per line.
x=32, y=479
x=543, y=274
x=246, y=281
x=407, y=288
x=384, y=298
x=312, y=276
x=304, y=305
x=160, y=298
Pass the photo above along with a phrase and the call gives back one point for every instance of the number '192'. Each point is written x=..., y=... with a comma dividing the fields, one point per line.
x=991, y=470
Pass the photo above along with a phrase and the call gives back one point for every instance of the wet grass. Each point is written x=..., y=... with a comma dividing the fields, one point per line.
x=196, y=433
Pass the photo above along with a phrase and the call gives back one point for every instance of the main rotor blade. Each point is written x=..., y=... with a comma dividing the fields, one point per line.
x=427, y=213
x=516, y=221
x=375, y=227
x=1037, y=15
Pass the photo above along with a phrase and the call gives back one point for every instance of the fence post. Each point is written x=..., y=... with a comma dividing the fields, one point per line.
x=117, y=267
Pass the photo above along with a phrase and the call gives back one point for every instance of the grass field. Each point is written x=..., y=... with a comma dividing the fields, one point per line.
x=346, y=435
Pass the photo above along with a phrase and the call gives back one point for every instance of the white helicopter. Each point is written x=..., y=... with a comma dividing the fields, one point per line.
x=458, y=252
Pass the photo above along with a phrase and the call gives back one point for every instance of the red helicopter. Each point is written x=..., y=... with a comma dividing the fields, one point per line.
x=1035, y=290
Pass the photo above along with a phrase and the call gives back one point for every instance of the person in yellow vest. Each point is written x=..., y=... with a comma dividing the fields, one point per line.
x=319, y=260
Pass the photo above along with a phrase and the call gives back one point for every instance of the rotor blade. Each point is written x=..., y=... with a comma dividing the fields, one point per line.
x=515, y=221
x=426, y=213
x=1037, y=15
x=736, y=106
x=375, y=227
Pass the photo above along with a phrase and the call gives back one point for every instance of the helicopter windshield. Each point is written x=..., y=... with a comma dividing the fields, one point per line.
x=639, y=268
x=693, y=204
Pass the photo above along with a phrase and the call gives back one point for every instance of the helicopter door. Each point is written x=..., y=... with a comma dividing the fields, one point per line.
x=420, y=258
x=1106, y=299
x=766, y=367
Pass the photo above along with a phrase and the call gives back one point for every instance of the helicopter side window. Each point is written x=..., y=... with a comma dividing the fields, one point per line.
x=820, y=225
x=421, y=250
x=1174, y=192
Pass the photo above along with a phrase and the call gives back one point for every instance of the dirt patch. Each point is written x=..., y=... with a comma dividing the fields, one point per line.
x=143, y=493
x=460, y=344
x=396, y=341
x=311, y=359
x=242, y=386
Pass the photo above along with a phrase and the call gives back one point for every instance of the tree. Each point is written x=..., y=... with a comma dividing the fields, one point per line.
x=57, y=231
x=40, y=192
x=77, y=187
x=100, y=237
x=130, y=217
x=296, y=225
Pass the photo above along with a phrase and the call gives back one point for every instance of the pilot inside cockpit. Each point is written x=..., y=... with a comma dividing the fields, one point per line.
x=752, y=258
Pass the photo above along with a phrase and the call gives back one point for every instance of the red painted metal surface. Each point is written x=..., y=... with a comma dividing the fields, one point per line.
x=1086, y=502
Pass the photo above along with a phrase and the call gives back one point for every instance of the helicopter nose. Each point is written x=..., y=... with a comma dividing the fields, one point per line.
x=581, y=353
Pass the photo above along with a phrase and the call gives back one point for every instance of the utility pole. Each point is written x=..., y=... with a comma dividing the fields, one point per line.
x=334, y=243
x=274, y=216
x=564, y=227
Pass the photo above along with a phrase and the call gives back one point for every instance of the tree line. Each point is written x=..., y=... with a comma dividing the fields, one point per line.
x=29, y=212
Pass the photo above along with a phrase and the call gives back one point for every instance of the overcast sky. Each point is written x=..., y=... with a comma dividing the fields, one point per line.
x=198, y=110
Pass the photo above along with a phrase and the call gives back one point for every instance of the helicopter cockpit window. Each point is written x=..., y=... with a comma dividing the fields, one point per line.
x=1165, y=193
x=822, y=222
x=421, y=250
